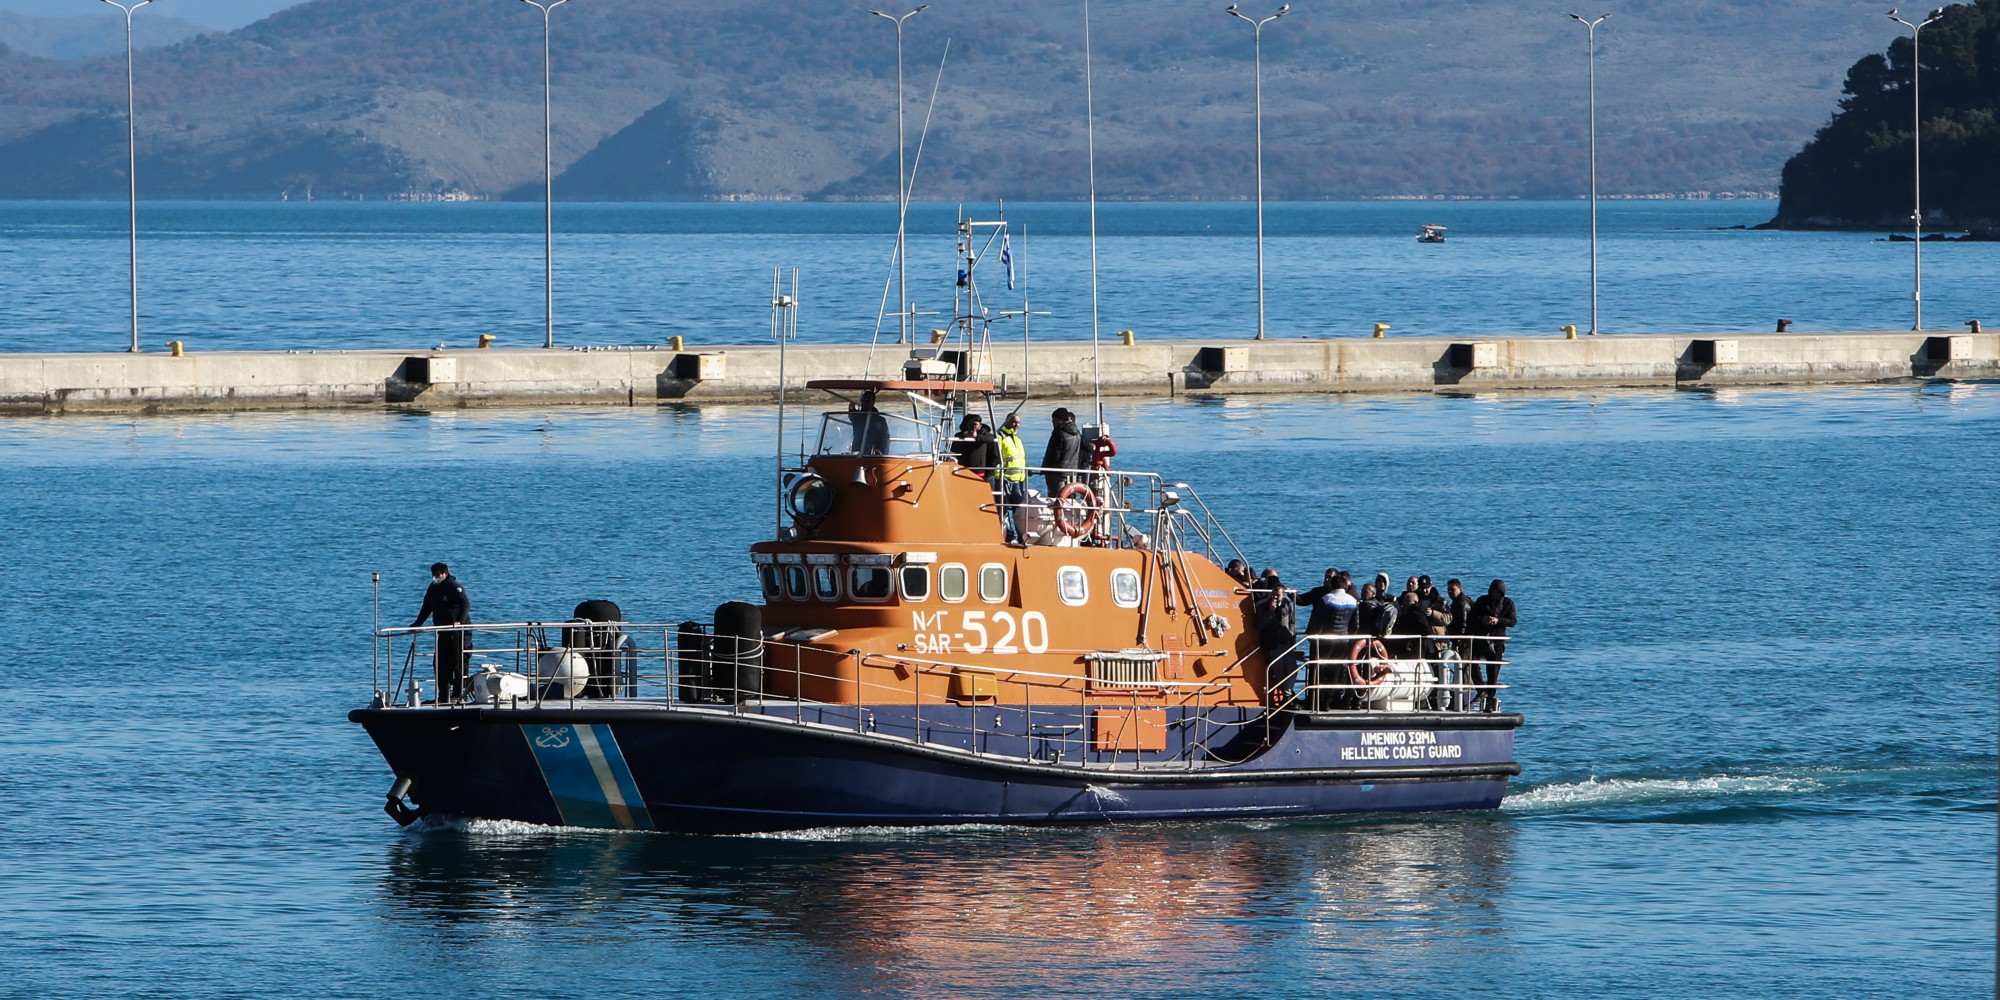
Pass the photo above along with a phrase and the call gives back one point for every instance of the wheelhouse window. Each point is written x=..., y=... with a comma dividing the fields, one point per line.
x=826, y=582
x=953, y=582
x=916, y=583
x=1071, y=585
x=795, y=582
x=868, y=583
x=773, y=585
x=1125, y=588
x=993, y=583
x=869, y=432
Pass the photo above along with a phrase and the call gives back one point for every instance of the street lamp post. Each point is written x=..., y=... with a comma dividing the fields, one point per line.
x=1257, y=47
x=548, y=185
x=1590, y=31
x=1917, y=157
x=903, y=317
x=131, y=166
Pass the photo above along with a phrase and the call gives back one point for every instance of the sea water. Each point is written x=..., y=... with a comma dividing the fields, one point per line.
x=348, y=275
x=1756, y=656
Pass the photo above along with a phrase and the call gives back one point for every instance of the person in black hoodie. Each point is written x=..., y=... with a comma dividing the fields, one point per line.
x=1277, y=631
x=1490, y=618
x=975, y=445
x=1065, y=451
x=1458, y=608
x=445, y=603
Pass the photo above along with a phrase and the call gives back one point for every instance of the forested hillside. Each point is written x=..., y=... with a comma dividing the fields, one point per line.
x=1857, y=171
x=673, y=99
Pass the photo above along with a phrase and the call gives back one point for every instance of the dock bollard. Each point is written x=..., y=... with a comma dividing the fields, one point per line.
x=486, y=340
x=675, y=343
x=1784, y=326
x=1569, y=331
x=177, y=347
x=1381, y=328
x=937, y=336
x=1974, y=324
x=1128, y=337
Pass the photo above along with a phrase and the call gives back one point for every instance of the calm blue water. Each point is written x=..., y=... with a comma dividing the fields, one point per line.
x=231, y=276
x=1757, y=655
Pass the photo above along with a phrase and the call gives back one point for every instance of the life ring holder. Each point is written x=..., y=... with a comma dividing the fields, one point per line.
x=1082, y=526
x=1371, y=654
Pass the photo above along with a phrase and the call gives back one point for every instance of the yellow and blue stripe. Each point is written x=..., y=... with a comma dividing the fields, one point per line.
x=587, y=776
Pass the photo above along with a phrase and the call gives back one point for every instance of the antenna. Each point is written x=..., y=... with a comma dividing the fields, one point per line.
x=1090, y=150
x=784, y=329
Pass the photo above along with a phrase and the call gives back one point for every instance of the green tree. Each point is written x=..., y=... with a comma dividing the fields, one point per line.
x=1856, y=172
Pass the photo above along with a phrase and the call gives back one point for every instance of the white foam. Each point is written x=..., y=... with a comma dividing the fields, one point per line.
x=1593, y=793
x=501, y=829
x=839, y=833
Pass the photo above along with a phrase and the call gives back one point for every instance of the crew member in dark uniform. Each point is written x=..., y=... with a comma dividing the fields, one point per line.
x=445, y=603
x=1491, y=617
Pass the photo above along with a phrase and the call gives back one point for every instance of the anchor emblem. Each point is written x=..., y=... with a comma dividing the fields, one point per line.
x=553, y=737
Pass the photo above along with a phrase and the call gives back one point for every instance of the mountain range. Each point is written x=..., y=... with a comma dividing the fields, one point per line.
x=666, y=99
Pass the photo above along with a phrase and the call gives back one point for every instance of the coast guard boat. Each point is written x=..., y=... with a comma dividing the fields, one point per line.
x=906, y=664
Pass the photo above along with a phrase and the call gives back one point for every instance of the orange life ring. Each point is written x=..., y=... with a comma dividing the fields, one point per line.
x=1369, y=649
x=1081, y=527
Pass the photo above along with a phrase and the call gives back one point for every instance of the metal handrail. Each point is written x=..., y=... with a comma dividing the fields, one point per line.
x=667, y=678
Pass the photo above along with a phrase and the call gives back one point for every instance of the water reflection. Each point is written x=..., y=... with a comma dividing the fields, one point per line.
x=984, y=909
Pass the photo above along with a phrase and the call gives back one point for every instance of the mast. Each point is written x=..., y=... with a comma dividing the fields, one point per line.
x=1090, y=150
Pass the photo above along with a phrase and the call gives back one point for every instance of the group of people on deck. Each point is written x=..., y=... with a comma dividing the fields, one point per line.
x=1422, y=624
x=1003, y=458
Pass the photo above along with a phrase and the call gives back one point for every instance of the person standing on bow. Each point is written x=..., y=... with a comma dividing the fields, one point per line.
x=1013, y=475
x=446, y=604
x=1065, y=451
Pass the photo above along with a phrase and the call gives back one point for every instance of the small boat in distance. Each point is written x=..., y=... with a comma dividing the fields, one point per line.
x=1432, y=233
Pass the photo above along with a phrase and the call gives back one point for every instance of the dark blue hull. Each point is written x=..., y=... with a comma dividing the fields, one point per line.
x=715, y=772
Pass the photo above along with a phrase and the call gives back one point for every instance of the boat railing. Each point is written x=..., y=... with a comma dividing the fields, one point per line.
x=1045, y=715
x=1324, y=673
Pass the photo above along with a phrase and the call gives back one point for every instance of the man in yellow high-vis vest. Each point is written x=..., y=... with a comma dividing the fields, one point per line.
x=1013, y=474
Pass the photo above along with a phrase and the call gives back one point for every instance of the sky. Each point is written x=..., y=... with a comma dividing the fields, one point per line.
x=224, y=14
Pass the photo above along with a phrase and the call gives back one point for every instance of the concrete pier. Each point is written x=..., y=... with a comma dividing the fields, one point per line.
x=149, y=383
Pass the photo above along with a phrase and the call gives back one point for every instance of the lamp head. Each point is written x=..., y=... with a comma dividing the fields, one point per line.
x=1282, y=8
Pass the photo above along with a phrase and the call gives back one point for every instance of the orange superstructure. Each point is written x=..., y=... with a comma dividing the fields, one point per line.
x=894, y=584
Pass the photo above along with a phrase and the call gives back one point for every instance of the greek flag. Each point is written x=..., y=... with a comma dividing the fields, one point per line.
x=1007, y=258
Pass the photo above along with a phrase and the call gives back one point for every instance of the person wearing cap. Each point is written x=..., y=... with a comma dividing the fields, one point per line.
x=1013, y=474
x=1065, y=451
x=446, y=604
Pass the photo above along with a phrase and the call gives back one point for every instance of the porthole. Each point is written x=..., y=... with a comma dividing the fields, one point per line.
x=952, y=582
x=993, y=583
x=1125, y=588
x=868, y=583
x=916, y=583
x=1072, y=586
